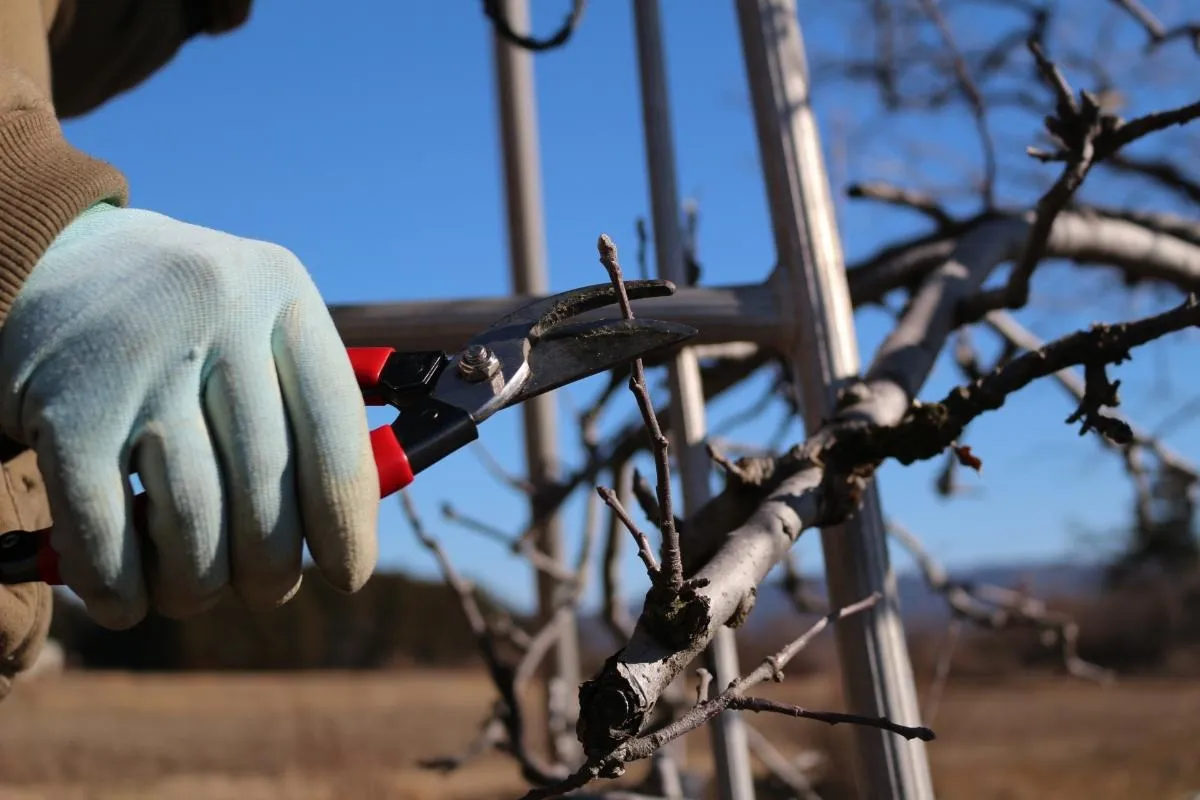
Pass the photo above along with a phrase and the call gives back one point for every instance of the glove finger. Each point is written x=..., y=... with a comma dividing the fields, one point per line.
x=249, y=422
x=336, y=473
x=88, y=487
x=189, y=565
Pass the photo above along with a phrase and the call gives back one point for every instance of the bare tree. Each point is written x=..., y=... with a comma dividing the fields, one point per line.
x=704, y=571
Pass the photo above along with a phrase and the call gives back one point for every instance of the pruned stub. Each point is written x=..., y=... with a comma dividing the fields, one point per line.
x=611, y=712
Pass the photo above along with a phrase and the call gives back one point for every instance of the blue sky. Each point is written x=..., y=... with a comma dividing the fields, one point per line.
x=366, y=141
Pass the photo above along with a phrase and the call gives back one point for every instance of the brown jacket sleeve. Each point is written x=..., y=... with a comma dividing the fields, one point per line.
x=64, y=59
x=101, y=49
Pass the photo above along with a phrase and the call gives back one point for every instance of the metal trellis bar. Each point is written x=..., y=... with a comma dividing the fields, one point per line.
x=527, y=261
x=876, y=672
x=731, y=751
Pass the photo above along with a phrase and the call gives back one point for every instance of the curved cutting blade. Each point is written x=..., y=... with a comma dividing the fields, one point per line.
x=540, y=346
x=575, y=351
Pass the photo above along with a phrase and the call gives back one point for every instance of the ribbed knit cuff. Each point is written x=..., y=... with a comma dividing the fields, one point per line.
x=45, y=183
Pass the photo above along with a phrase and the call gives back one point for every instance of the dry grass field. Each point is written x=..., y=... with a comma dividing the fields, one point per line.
x=322, y=735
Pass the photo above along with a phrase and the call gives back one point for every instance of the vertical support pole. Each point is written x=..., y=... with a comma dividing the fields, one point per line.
x=688, y=425
x=527, y=260
x=876, y=672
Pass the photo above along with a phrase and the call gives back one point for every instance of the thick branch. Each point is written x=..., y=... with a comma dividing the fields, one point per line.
x=610, y=763
x=1143, y=247
x=739, y=536
x=1162, y=172
x=1013, y=332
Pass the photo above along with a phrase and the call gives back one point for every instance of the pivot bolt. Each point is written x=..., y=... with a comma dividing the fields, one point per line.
x=477, y=363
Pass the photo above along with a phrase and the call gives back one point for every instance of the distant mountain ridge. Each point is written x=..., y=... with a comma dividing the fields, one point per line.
x=919, y=605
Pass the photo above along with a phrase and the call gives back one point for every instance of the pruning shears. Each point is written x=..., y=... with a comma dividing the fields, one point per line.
x=442, y=398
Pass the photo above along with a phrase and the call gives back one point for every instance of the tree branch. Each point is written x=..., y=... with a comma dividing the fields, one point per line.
x=756, y=519
x=503, y=676
x=904, y=198
x=671, y=573
x=996, y=608
x=1156, y=33
x=971, y=93
x=615, y=614
x=610, y=763
x=1086, y=135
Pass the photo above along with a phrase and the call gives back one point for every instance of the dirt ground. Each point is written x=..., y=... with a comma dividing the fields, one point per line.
x=310, y=736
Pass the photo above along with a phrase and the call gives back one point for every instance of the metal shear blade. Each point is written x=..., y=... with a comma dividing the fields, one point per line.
x=585, y=349
x=543, y=346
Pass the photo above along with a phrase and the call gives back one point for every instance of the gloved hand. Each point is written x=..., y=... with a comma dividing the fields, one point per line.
x=209, y=365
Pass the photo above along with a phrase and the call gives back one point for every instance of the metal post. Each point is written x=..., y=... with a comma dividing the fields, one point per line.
x=527, y=259
x=876, y=672
x=688, y=424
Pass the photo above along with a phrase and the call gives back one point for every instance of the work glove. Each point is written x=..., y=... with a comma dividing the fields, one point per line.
x=209, y=365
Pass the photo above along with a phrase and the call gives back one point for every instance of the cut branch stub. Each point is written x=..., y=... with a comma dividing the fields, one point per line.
x=613, y=711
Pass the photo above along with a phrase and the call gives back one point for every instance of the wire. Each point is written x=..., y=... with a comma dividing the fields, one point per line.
x=494, y=10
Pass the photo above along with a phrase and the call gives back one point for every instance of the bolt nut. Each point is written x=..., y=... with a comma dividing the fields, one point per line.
x=477, y=363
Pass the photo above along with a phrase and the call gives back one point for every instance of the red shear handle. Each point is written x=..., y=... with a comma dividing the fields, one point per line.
x=391, y=461
x=47, y=560
x=368, y=363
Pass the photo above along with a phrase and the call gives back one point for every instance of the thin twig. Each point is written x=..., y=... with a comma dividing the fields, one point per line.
x=941, y=674
x=490, y=736
x=522, y=545
x=1087, y=135
x=534, y=769
x=645, y=552
x=995, y=608
x=974, y=97
x=615, y=614
x=904, y=198
x=497, y=471
x=672, y=560
x=1158, y=34
x=1077, y=126
x=781, y=768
